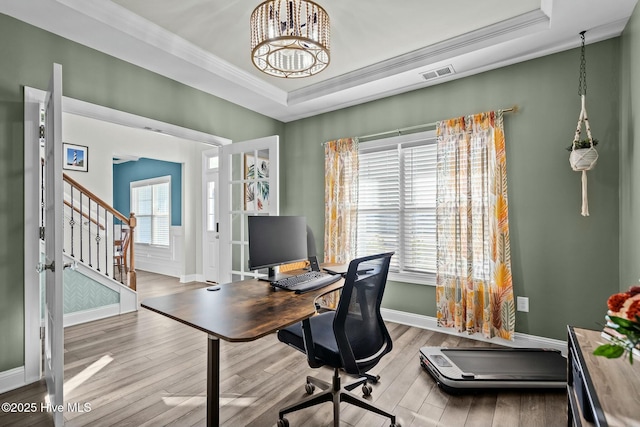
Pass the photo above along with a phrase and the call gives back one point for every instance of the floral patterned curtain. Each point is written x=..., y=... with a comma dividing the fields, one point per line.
x=341, y=200
x=474, y=291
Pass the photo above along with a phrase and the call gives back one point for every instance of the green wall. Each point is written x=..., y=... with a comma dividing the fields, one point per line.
x=26, y=57
x=630, y=158
x=565, y=263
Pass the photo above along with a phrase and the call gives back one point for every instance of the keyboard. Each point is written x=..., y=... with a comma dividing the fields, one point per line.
x=306, y=282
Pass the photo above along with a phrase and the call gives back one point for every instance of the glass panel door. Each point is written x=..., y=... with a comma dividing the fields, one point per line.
x=248, y=186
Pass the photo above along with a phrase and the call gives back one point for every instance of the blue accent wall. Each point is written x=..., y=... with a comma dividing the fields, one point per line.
x=125, y=173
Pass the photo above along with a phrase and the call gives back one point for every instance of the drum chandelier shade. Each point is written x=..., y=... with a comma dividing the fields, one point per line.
x=290, y=38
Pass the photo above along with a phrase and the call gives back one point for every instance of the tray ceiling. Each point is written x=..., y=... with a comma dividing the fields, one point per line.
x=378, y=47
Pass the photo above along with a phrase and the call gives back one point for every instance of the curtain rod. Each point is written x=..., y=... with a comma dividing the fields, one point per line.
x=424, y=125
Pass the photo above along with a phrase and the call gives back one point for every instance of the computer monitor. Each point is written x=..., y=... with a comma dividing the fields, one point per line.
x=276, y=240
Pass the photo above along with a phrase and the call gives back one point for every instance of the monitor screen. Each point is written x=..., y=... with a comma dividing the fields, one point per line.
x=276, y=240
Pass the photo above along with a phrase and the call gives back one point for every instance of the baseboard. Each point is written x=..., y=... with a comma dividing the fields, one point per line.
x=84, y=316
x=520, y=340
x=158, y=266
x=188, y=278
x=12, y=379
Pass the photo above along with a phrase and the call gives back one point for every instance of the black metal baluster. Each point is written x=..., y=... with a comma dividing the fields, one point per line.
x=97, y=236
x=81, y=228
x=72, y=222
x=89, y=234
x=117, y=262
x=106, y=240
x=113, y=254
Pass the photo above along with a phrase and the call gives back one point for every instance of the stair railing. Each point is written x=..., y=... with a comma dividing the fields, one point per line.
x=98, y=235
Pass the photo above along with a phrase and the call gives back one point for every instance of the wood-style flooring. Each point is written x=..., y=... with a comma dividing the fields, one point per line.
x=143, y=369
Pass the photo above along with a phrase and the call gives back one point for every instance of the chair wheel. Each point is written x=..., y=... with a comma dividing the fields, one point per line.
x=309, y=388
x=366, y=390
x=396, y=425
x=283, y=422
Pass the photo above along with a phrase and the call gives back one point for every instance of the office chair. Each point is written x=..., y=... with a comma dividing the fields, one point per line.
x=352, y=338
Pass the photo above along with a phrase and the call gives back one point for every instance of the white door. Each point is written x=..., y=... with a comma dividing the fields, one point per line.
x=210, y=240
x=248, y=186
x=53, y=310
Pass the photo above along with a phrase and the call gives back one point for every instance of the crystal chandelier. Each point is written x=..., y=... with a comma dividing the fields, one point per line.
x=290, y=38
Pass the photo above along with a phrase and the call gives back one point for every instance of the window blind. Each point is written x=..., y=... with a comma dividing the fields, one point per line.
x=396, y=202
x=151, y=202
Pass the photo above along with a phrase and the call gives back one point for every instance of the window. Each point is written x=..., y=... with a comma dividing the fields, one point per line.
x=211, y=206
x=151, y=202
x=397, y=204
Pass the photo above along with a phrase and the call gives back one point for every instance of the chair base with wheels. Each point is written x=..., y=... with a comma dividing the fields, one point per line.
x=334, y=392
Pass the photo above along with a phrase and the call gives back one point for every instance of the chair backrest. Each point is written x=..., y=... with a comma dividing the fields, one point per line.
x=360, y=332
x=123, y=245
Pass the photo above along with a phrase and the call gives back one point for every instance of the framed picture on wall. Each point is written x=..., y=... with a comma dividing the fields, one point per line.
x=75, y=157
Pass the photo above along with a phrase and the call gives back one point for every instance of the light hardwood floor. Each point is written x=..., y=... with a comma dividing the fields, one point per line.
x=143, y=369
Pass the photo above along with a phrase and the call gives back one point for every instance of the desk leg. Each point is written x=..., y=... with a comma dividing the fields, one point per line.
x=213, y=382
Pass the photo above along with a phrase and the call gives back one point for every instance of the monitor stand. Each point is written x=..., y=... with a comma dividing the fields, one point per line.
x=273, y=276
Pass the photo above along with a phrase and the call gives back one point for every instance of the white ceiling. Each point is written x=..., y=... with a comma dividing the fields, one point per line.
x=378, y=47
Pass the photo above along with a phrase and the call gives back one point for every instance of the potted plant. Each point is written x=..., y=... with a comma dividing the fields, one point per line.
x=582, y=144
x=623, y=325
x=583, y=154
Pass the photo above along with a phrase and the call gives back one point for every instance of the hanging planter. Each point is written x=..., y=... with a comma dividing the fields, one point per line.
x=583, y=159
x=583, y=155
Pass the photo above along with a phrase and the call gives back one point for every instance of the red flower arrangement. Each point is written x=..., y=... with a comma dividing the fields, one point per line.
x=623, y=325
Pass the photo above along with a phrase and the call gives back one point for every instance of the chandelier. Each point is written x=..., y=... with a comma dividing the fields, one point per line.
x=290, y=38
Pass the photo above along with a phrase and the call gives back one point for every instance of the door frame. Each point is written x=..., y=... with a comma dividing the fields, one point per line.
x=33, y=98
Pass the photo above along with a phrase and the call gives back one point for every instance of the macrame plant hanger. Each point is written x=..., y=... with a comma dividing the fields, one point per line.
x=583, y=159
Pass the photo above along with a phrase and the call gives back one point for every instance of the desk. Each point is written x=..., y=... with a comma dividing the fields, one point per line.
x=600, y=392
x=238, y=312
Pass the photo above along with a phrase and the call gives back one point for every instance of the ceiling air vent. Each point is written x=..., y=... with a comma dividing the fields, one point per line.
x=440, y=72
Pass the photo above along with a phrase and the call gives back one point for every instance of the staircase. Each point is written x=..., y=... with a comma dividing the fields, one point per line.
x=98, y=248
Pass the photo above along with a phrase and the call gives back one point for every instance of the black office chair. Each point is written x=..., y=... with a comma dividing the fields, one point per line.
x=353, y=338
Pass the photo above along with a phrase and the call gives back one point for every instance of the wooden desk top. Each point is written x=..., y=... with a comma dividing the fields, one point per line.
x=239, y=311
x=615, y=381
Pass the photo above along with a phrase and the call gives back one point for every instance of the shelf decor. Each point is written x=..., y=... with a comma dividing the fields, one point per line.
x=583, y=155
x=623, y=326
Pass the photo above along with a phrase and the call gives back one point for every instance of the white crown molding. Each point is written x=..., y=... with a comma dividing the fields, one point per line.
x=509, y=29
x=122, y=20
x=490, y=58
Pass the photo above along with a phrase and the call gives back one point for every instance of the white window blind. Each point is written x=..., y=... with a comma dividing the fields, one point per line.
x=151, y=203
x=396, y=204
